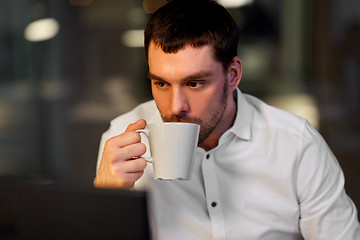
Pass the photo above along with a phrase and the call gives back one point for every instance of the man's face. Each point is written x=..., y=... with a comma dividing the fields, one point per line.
x=189, y=86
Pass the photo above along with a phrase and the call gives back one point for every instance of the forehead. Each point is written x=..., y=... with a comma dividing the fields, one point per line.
x=187, y=60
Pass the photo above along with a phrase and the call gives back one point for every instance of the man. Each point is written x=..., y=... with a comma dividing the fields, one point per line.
x=259, y=172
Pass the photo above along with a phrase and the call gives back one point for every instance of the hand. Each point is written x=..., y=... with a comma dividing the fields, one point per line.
x=119, y=166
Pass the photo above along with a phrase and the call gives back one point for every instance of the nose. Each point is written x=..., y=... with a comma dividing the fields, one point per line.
x=179, y=102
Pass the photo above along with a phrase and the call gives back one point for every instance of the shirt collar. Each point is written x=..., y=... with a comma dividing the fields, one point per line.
x=242, y=123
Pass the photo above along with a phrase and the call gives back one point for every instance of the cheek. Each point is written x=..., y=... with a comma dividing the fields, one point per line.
x=201, y=105
x=161, y=101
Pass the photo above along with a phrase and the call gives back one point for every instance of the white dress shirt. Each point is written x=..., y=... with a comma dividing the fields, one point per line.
x=272, y=176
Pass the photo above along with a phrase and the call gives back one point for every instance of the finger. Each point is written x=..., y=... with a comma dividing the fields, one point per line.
x=139, y=124
x=124, y=139
x=135, y=165
x=129, y=136
x=132, y=151
x=127, y=170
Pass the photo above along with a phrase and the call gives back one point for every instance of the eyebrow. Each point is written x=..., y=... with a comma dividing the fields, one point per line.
x=194, y=76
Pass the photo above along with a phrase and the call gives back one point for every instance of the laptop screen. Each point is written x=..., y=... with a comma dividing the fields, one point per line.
x=46, y=210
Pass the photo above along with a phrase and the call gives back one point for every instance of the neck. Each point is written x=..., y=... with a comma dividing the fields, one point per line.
x=226, y=122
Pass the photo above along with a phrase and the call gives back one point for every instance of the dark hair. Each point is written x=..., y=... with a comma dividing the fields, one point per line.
x=195, y=23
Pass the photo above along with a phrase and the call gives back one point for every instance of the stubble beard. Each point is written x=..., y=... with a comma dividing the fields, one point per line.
x=209, y=123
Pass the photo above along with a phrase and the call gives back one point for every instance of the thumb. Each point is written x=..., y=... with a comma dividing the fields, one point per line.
x=139, y=124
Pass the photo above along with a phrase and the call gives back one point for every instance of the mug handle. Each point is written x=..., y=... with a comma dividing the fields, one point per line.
x=145, y=132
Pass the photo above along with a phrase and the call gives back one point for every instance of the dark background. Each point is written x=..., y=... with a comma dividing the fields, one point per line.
x=58, y=96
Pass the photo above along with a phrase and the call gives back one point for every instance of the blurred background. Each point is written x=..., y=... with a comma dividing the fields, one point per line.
x=68, y=67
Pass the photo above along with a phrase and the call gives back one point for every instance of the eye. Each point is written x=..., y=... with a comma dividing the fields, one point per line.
x=195, y=84
x=160, y=84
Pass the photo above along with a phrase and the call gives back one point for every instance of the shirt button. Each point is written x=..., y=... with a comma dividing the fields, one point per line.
x=213, y=204
x=207, y=156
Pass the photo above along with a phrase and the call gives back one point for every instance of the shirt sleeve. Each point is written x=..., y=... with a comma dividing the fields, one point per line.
x=104, y=138
x=326, y=212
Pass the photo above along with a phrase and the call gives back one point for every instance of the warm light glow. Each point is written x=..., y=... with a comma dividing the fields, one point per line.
x=41, y=30
x=234, y=3
x=133, y=38
x=303, y=105
x=150, y=6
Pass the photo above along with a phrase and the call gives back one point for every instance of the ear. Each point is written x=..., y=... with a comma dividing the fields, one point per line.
x=234, y=74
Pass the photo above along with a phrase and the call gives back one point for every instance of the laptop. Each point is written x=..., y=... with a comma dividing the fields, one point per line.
x=43, y=209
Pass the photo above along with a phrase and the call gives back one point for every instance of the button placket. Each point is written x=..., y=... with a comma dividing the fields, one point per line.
x=213, y=197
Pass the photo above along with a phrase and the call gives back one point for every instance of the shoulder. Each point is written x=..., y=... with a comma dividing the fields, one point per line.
x=290, y=132
x=269, y=117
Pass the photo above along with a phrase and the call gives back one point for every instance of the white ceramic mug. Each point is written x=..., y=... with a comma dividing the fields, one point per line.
x=172, y=149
